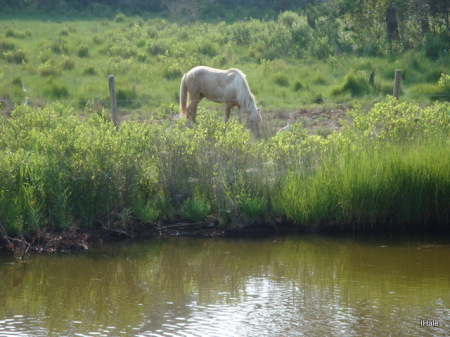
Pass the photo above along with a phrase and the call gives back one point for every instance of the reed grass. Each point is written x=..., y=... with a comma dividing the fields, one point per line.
x=393, y=186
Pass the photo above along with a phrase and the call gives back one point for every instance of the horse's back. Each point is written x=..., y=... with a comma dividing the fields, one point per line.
x=202, y=71
x=215, y=84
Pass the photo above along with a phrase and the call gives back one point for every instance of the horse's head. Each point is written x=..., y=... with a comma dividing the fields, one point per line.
x=254, y=119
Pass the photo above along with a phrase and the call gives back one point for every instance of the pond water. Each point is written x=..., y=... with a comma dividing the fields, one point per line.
x=307, y=285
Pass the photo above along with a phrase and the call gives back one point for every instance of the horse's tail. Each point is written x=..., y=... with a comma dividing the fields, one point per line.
x=183, y=97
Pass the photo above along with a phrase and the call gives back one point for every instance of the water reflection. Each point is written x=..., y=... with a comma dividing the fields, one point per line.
x=293, y=286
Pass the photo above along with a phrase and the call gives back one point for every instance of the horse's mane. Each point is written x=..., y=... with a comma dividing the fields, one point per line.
x=245, y=97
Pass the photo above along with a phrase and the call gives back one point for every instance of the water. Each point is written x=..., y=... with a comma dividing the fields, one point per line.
x=292, y=286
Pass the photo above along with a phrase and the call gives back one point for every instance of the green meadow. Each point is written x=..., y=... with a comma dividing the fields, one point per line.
x=288, y=64
x=64, y=165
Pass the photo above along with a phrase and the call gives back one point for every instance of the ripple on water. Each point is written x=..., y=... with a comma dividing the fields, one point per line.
x=284, y=288
x=19, y=325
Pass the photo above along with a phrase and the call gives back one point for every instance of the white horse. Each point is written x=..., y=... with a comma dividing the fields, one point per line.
x=220, y=86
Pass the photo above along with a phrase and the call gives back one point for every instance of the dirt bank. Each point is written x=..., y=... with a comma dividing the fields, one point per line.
x=72, y=240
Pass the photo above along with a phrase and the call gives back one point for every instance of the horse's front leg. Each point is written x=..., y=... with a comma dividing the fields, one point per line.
x=228, y=108
x=240, y=114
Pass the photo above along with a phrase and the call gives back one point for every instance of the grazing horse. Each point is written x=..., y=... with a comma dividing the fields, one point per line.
x=220, y=86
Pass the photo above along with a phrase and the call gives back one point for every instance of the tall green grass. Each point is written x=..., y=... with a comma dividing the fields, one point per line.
x=389, y=185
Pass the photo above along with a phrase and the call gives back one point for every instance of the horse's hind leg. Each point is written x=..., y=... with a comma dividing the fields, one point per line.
x=192, y=108
x=227, y=112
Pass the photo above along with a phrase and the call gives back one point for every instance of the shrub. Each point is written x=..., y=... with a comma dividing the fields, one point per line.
x=67, y=63
x=127, y=97
x=58, y=91
x=195, y=209
x=280, y=79
x=297, y=86
x=288, y=18
x=48, y=69
x=10, y=32
x=172, y=71
x=90, y=71
x=83, y=50
x=354, y=84
x=400, y=122
x=320, y=47
x=444, y=86
x=146, y=210
x=17, y=81
x=437, y=46
x=120, y=17
x=253, y=207
x=208, y=49
x=15, y=56
x=6, y=45
x=59, y=46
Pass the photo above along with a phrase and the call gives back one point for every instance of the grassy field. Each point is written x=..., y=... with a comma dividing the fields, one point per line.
x=63, y=164
x=287, y=65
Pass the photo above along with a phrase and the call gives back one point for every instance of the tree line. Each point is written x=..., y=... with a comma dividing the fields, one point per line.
x=403, y=22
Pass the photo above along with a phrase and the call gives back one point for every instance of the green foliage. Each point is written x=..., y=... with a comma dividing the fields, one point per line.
x=67, y=63
x=7, y=45
x=90, y=71
x=195, y=209
x=280, y=79
x=437, y=46
x=60, y=168
x=389, y=167
x=59, y=46
x=389, y=186
x=288, y=19
x=400, y=122
x=172, y=71
x=355, y=84
x=83, y=50
x=127, y=97
x=120, y=17
x=297, y=86
x=152, y=54
x=48, y=69
x=146, y=210
x=372, y=173
x=253, y=207
x=58, y=91
x=11, y=32
x=15, y=56
x=208, y=49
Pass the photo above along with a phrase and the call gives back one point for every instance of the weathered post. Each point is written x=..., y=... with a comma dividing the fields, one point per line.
x=398, y=77
x=113, y=100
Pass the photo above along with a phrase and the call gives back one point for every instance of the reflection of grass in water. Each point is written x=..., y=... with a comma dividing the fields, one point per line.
x=308, y=275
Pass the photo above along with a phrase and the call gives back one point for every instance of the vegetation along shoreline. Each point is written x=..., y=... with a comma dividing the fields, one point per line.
x=350, y=158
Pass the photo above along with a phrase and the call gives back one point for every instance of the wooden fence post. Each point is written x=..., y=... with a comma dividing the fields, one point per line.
x=398, y=77
x=113, y=100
